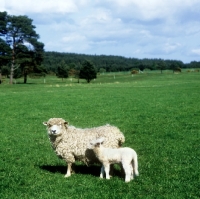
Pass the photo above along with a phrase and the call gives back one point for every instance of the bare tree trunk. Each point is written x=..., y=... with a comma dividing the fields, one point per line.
x=25, y=77
x=11, y=73
x=13, y=63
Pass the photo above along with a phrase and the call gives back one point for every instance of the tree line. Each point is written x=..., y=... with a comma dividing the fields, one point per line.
x=104, y=63
x=52, y=60
x=22, y=54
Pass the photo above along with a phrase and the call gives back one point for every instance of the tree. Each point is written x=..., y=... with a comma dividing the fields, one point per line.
x=102, y=70
x=18, y=32
x=5, y=53
x=5, y=70
x=77, y=68
x=62, y=71
x=161, y=66
x=3, y=16
x=87, y=71
x=30, y=59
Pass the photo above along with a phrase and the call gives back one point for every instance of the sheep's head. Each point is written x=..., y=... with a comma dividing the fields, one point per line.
x=55, y=126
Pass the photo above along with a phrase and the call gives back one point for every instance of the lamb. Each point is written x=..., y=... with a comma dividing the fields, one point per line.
x=71, y=143
x=126, y=156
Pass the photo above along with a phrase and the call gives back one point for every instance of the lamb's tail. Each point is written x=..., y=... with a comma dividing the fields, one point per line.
x=135, y=163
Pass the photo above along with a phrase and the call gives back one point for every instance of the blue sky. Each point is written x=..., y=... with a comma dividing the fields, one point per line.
x=167, y=29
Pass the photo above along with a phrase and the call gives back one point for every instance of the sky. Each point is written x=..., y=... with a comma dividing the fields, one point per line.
x=166, y=29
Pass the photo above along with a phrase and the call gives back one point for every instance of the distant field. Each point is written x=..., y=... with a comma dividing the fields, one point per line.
x=110, y=77
x=159, y=115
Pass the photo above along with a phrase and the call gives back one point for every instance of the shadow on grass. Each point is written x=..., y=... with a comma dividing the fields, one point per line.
x=79, y=169
x=25, y=83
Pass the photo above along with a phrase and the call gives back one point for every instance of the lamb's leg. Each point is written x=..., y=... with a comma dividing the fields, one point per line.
x=128, y=171
x=102, y=172
x=69, y=167
x=132, y=173
x=107, y=169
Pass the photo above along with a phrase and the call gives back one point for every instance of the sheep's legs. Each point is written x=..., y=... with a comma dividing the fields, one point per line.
x=69, y=167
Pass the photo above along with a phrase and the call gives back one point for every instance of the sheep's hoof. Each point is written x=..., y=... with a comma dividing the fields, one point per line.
x=67, y=175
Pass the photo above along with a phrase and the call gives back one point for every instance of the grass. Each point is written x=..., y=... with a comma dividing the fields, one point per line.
x=158, y=113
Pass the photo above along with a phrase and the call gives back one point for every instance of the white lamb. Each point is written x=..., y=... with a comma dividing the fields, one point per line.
x=71, y=143
x=126, y=156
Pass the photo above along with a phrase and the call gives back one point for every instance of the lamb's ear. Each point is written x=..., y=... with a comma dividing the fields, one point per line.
x=45, y=123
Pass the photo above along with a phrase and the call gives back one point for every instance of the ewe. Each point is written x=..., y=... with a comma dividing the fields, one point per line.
x=71, y=143
x=126, y=156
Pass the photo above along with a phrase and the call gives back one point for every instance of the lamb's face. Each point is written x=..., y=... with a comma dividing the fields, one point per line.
x=55, y=129
x=97, y=143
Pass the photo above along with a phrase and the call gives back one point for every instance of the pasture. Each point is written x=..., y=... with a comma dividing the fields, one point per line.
x=159, y=115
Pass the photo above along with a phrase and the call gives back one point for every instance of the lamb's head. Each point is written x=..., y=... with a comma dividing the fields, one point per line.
x=98, y=142
x=55, y=126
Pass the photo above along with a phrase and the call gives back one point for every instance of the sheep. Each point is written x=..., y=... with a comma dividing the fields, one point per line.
x=126, y=156
x=71, y=143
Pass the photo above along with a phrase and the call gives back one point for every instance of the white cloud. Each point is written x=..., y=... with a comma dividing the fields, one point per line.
x=2, y=6
x=39, y=6
x=148, y=10
x=75, y=38
x=139, y=28
x=196, y=51
x=171, y=47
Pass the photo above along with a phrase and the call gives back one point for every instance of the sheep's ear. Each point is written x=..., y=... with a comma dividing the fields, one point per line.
x=66, y=124
x=45, y=123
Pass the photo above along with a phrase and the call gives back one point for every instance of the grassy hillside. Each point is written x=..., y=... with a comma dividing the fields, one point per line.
x=159, y=115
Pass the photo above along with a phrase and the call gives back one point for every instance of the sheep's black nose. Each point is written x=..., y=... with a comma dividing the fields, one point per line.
x=53, y=131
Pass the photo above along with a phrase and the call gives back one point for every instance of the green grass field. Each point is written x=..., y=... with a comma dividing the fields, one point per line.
x=159, y=115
